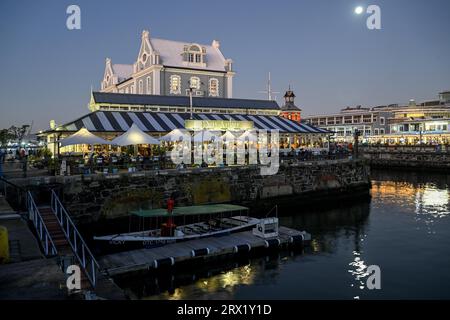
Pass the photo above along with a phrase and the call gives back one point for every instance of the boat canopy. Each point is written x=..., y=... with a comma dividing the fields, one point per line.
x=189, y=210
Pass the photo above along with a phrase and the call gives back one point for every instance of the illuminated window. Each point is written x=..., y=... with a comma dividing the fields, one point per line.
x=195, y=83
x=175, y=84
x=213, y=87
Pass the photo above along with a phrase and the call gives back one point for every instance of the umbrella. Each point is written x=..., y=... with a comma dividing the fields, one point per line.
x=134, y=136
x=205, y=136
x=228, y=136
x=82, y=136
x=248, y=135
x=176, y=135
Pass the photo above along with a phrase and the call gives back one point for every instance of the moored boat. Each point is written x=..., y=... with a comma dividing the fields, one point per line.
x=210, y=221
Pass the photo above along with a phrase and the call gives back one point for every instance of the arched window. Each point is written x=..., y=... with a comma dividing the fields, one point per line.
x=149, y=85
x=141, y=87
x=213, y=87
x=175, y=84
x=194, y=54
x=195, y=83
x=132, y=88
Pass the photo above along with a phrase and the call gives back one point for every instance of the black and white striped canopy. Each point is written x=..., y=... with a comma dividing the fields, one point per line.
x=110, y=121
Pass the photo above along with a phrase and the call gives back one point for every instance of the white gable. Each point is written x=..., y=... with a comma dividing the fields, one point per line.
x=122, y=71
x=171, y=54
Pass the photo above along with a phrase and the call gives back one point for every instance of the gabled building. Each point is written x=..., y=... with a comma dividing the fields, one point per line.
x=166, y=67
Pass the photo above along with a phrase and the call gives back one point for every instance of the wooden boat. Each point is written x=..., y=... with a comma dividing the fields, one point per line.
x=216, y=220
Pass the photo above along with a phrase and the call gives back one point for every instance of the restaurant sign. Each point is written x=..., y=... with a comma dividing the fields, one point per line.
x=222, y=125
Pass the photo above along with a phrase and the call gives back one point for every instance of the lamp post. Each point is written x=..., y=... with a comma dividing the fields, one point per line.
x=190, y=99
x=356, y=135
x=191, y=88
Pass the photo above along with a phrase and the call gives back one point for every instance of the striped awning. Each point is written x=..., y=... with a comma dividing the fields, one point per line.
x=121, y=121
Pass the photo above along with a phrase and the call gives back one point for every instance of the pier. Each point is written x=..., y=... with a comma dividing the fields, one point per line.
x=189, y=251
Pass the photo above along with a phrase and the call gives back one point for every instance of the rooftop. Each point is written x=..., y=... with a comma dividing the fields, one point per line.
x=159, y=100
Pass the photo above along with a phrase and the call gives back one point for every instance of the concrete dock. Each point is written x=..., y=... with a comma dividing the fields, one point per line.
x=144, y=259
x=29, y=275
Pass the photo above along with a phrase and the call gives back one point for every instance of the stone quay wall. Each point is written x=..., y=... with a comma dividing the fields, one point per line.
x=90, y=198
x=434, y=158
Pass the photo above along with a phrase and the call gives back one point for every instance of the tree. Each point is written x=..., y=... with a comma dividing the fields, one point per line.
x=19, y=132
x=5, y=136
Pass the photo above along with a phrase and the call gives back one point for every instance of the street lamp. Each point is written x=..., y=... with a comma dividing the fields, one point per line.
x=191, y=88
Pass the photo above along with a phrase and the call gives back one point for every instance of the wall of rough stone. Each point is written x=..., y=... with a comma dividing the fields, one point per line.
x=408, y=159
x=94, y=197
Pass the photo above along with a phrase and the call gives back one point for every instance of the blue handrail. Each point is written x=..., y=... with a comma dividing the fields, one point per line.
x=79, y=246
x=41, y=229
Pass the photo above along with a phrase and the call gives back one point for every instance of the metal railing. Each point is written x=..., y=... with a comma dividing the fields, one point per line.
x=73, y=236
x=42, y=232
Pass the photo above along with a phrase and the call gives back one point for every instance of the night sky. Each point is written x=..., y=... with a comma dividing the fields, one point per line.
x=320, y=47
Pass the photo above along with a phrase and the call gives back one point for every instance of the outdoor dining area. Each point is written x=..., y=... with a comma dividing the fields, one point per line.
x=84, y=152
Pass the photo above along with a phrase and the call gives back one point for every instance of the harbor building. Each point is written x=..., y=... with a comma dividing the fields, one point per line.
x=172, y=82
x=427, y=122
x=115, y=113
x=411, y=123
x=172, y=68
x=368, y=121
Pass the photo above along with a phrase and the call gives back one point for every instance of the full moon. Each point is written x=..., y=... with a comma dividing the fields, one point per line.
x=359, y=10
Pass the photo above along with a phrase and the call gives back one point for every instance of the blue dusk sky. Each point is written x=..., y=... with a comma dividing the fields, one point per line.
x=320, y=47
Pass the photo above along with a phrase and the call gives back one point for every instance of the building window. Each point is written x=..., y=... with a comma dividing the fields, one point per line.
x=141, y=87
x=376, y=132
x=149, y=85
x=194, y=54
x=175, y=84
x=213, y=87
x=132, y=88
x=381, y=131
x=382, y=121
x=195, y=83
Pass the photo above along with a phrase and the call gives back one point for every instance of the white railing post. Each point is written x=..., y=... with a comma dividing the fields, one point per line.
x=93, y=271
x=75, y=239
x=84, y=256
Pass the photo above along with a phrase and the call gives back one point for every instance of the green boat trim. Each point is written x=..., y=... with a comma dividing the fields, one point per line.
x=189, y=210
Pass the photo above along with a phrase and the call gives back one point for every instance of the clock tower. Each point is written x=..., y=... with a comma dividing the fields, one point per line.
x=289, y=110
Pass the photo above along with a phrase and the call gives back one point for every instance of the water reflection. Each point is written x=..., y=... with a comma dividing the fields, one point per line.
x=430, y=200
x=225, y=280
x=403, y=229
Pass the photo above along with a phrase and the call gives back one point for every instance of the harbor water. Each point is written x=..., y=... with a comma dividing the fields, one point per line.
x=404, y=229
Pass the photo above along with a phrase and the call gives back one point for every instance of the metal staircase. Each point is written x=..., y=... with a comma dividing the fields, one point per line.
x=59, y=236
